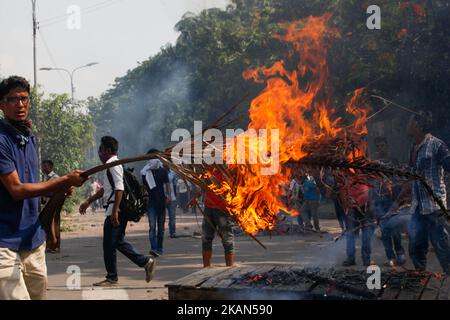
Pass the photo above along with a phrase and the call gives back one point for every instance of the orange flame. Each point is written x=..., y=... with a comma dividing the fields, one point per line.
x=296, y=103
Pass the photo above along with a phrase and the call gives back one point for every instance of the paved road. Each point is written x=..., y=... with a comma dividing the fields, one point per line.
x=82, y=250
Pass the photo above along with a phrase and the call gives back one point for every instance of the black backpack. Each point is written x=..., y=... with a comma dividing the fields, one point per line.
x=135, y=197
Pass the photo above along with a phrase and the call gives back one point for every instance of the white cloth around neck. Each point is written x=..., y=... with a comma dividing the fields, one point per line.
x=152, y=164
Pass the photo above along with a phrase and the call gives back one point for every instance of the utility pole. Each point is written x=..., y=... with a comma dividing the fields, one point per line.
x=35, y=27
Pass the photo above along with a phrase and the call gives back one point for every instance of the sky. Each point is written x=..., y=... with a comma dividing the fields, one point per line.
x=117, y=34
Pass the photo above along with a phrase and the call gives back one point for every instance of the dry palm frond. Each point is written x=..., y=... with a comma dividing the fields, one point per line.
x=357, y=171
x=361, y=171
x=331, y=155
x=366, y=170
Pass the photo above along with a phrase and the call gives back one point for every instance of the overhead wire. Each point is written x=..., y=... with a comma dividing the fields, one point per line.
x=86, y=10
x=51, y=57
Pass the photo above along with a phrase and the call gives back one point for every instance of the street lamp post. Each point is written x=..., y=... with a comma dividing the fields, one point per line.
x=72, y=87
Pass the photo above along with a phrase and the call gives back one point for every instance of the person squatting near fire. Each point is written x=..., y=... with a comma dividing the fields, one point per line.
x=429, y=157
x=156, y=179
x=381, y=200
x=115, y=224
x=23, y=269
x=215, y=219
x=48, y=174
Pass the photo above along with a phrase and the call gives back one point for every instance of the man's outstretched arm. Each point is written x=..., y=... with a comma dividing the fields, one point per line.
x=87, y=203
x=20, y=191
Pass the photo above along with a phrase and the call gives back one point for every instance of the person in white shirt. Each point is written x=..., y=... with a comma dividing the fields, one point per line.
x=183, y=195
x=93, y=189
x=114, y=226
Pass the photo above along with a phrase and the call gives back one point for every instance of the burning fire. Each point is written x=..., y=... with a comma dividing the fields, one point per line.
x=296, y=103
x=259, y=277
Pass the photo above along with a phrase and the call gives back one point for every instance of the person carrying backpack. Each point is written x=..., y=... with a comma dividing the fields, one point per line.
x=117, y=211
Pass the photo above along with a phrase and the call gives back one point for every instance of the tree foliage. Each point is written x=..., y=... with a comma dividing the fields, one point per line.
x=200, y=76
x=65, y=132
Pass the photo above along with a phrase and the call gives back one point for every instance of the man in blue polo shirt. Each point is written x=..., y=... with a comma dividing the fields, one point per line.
x=23, y=272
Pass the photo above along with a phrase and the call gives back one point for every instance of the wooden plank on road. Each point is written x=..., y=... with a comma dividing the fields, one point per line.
x=197, y=278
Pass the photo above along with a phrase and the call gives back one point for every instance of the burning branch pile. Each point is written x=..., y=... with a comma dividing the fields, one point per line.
x=301, y=132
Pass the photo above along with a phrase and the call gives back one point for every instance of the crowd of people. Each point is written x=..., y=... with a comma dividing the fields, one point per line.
x=402, y=209
x=408, y=207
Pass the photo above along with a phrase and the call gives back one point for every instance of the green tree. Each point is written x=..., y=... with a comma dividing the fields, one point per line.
x=199, y=77
x=65, y=134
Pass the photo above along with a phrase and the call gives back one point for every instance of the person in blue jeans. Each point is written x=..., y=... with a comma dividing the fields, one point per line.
x=422, y=230
x=359, y=219
x=156, y=179
x=381, y=200
x=311, y=203
x=429, y=157
x=391, y=231
x=356, y=223
x=172, y=206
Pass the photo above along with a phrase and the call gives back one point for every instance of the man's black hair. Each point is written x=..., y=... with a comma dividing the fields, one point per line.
x=153, y=150
x=11, y=83
x=424, y=120
x=111, y=143
x=379, y=139
x=49, y=162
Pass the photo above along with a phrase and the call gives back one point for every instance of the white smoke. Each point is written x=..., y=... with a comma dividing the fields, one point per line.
x=137, y=126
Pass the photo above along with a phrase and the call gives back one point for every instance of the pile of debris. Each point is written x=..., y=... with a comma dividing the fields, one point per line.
x=350, y=284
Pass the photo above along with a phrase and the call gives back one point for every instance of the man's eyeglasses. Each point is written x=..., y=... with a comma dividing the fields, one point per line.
x=15, y=100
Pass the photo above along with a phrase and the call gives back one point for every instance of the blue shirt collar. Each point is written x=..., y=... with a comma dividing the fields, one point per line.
x=15, y=134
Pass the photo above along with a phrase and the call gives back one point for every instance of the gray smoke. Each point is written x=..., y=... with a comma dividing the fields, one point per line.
x=148, y=121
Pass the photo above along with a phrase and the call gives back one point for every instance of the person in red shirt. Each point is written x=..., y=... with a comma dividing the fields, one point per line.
x=215, y=219
x=359, y=218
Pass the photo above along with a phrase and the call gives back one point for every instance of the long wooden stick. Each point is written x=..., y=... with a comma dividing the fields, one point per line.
x=56, y=202
x=105, y=166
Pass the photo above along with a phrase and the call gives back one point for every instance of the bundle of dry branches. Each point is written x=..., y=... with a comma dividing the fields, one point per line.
x=331, y=156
